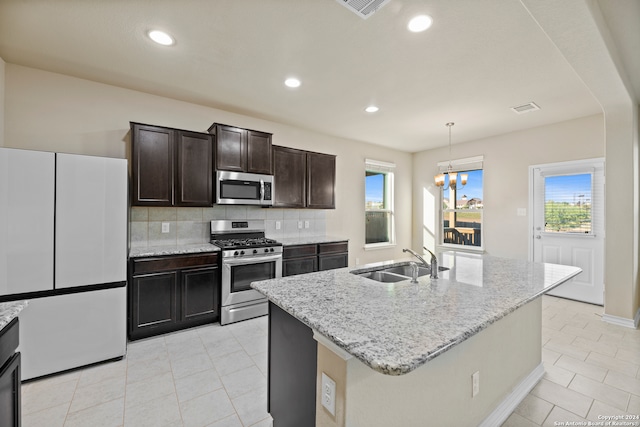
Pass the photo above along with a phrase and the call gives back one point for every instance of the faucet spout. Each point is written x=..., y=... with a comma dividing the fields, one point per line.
x=424, y=263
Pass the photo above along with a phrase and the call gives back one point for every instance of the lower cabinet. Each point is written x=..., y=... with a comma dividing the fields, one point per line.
x=172, y=293
x=9, y=376
x=307, y=258
x=292, y=371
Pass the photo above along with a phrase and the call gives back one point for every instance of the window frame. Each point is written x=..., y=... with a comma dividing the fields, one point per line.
x=461, y=166
x=388, y=169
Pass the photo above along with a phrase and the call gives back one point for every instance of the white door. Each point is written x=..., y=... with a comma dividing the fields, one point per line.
x=91, y=220
x=568, y=224
x=26, y=221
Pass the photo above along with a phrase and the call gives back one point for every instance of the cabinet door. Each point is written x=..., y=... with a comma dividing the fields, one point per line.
x=259, y=152
x=289, y=166
x=321, y=181
x=199, y=291
x=153, y=303
x=152, y=170
x=231, y=148
x=10, y=392
x=195, y=173
x=295, y=266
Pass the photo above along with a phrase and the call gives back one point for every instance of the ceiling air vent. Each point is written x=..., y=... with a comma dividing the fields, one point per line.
x=363, y=8
x=525, y=108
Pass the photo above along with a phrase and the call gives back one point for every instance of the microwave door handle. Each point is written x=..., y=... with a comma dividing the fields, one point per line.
x=261, y=190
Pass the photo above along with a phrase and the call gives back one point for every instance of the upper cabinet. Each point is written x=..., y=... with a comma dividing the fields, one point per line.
x=303, y=179
x=242, y=150
x=171, y=167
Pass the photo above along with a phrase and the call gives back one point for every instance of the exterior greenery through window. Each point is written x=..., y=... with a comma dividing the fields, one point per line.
x=379, y=220
x=567, y=203
x=462, y=211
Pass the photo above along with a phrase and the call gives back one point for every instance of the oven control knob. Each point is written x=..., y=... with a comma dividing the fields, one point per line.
x=271, y=249
x=266, y=250
x=241, y=252
x=255, y=251
x=235, y=253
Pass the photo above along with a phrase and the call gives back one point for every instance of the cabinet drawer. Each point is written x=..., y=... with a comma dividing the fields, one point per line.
x=329, y=262
x=148, y=265
x=332, y=248
x=298, y=251
x=299, y=266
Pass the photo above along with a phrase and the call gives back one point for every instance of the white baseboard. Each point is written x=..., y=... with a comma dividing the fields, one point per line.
x=623, y=321
x=513, y=399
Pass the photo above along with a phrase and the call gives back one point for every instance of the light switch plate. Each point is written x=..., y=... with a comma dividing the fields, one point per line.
x=165, y=227
x=306, y=224
x=522, y=211
x=278, y=225
x=329, y=394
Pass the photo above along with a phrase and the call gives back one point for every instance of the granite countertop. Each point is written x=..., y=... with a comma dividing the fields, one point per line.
x=10, y=310
x=172, y=250
x=396, y=327
x=310, y=240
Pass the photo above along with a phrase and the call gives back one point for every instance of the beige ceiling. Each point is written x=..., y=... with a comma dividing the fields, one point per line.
x=479, y=58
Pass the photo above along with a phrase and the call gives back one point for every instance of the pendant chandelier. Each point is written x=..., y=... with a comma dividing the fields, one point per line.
x=453, y=176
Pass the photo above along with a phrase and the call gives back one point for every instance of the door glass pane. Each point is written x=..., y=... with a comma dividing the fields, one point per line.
x=567, y=203
x=462, y=209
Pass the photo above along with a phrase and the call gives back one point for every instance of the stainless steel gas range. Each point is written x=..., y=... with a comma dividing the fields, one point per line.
x=247, y=256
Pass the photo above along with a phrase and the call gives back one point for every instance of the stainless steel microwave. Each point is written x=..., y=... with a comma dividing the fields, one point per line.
x=238, y=188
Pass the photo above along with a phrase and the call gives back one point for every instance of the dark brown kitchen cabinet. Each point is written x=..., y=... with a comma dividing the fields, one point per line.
x=10, y=393
x=171, y=167
x=242, y=150
x=289, y=174
x=168, y=293
x=307, y=258
x=299, y=259
x=321, y=181
x=303, y=179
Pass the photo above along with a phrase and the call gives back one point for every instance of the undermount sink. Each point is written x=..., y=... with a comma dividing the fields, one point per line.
x=396, y=273
x=383, y=276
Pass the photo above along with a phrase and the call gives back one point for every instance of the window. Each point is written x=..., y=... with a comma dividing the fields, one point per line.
x=379, y=220
x=462, y=207
x=567, y=203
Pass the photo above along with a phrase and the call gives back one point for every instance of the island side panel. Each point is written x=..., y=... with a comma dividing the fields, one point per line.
x=292, y=370
x=439, y=392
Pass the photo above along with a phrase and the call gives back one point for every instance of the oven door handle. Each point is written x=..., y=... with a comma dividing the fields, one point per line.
x=252, y=260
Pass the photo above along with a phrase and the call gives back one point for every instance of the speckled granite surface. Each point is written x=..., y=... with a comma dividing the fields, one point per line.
x=10, y=310
x=310, y=240
x=396, y=327
x=172, y=250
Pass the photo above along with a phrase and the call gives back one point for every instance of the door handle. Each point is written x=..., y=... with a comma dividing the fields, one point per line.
x=538, y=237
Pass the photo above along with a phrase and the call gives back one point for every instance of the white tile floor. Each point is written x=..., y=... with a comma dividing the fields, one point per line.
x=208, y=376
x=216, y=376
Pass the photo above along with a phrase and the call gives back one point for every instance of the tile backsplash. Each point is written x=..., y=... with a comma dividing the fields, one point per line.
x=191, y=225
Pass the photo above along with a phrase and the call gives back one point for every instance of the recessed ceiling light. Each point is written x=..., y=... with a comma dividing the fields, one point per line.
x=161, y=37
x=371, y=109
x=292, y=82
x=419, y=23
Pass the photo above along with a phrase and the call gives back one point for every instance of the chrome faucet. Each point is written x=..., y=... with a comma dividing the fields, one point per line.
x=424, y=263
x=434, y=264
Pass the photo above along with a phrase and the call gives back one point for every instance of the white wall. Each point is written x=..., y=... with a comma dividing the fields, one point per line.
x=2, y=67
x=506, y=181
x=53, y=112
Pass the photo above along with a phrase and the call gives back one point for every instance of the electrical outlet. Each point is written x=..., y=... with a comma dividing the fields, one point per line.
x=329, y=394
x=522, y=211
x=278, y=225
x=306, y=224
x=165, y=227
x=475, y=384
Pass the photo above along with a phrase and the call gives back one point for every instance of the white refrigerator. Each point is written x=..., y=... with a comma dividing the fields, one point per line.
x=63, y=247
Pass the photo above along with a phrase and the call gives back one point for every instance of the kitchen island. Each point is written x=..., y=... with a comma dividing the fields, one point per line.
x=404, y=353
